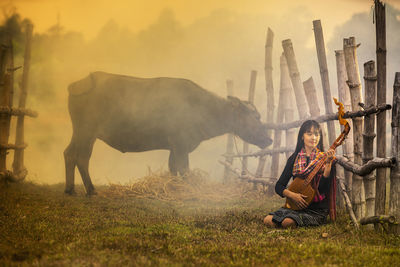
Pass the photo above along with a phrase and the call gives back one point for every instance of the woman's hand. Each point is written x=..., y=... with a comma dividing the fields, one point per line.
x=330, y=156
x=299, y=199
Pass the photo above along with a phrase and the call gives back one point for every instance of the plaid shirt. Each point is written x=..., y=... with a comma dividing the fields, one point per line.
x=300, y=167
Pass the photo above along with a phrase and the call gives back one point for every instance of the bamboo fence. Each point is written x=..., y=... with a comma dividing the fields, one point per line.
x=380, y=25
x=356, y=164
x=270, y=92
x=7, y=110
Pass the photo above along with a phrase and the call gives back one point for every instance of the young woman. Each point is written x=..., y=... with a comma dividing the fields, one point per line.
x=308, y=150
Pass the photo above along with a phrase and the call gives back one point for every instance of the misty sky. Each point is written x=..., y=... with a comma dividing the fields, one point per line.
x=88, y=16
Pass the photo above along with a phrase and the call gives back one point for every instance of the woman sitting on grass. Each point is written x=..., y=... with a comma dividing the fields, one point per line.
x=309, y=147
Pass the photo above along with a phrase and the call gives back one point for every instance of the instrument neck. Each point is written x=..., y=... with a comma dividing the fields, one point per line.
x=316, y=169
x=321, y=163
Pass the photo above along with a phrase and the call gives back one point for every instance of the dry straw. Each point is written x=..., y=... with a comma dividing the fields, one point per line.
x=195, y=185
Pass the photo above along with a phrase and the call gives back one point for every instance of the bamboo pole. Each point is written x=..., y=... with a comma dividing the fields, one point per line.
x=248, y=177
x=263, y=152
x=268, y=76
x=342, y=90
x=327, y=117
x=5, y=98
x=366, y=168
x=18, y=164
x=11, y=69
x=378, y=219
x=348, y=203
x=229, y=144
x=344, y=97
x=361, y=170
x=369, y=135
x=380, y=22
x=340, y=201
x=394, y=199
x=12, y=146
x=295, y=78
x=18, y=112
x=323, y=69
x=4, y=132
x=4, y=120
x=277, y=142
x=290, y=136
x=270, y=93
x=312, y=100
x=252, y=88
x=283, y=94
x=311, y=96
x=354, y=83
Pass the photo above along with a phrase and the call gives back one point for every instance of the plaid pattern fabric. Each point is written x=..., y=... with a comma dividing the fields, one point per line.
x=301, y=169
x=305, y=217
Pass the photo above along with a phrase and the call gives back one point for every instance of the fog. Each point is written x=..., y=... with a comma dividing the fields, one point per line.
x=223, y=44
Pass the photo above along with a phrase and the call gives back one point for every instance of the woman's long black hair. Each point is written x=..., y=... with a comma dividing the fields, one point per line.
x=306, y=126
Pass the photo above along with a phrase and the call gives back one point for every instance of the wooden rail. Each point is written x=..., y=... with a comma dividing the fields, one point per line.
x=7, y=110
x=333, y=116
x=18, y=112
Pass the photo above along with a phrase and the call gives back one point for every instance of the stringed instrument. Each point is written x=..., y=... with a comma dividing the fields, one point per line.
x=303, y=186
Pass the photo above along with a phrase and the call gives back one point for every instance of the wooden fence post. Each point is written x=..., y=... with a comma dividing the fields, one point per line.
x=18, y=164
x=394, y=200
x=323, y=69
x=380, y=22
x=295, y=78
x=252, y=88
x=354, y=83
x=229, y=144
x=5, y=98
x=344, y=97
x=283, y=97
x=347, y=147
x=311, y=96
x=312, y=100
x=369, y=135
x=290, y=137
x=270, y=93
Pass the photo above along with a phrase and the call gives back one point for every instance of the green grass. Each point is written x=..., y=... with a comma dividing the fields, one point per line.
x=39, y=225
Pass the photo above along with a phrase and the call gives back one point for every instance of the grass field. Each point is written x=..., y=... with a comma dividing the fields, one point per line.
x=39, y=225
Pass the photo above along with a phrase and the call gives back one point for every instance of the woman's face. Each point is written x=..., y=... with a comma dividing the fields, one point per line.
x=311, y=138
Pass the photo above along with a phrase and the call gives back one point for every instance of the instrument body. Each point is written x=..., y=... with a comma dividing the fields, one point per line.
x=303, y=185
x=298, y=185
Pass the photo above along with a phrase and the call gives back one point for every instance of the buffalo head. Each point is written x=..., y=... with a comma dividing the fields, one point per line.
x=246, y=123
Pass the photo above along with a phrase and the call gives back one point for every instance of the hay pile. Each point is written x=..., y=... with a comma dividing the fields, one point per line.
x=195, y=185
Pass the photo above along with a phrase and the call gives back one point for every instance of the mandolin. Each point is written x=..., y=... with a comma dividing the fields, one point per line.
x=303, y=185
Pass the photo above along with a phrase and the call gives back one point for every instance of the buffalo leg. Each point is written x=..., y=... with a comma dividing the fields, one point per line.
x=178, y=162
x=172, y=164
x=182, y=163
x=84, y=153
x=70, y=157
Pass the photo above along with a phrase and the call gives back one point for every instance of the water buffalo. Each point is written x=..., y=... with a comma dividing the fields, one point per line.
x=136, y=114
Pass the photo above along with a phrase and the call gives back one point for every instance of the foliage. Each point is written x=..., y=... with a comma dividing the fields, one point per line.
x=39, y=225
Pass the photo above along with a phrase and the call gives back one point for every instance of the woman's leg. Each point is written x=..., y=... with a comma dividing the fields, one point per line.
x=268, y=221
x=289, y=223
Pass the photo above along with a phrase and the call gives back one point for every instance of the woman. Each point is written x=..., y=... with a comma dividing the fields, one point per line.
x=308, y=149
